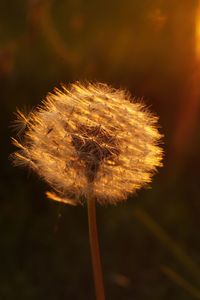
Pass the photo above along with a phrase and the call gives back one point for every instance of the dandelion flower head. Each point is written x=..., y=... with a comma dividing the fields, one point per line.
x=90, y=134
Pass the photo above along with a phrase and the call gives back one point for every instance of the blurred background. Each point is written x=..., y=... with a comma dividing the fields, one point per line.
x=150, y=244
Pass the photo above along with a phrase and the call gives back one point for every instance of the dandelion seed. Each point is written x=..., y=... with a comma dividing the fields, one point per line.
x=20, y=124
x=55, y=197
x=91, y=133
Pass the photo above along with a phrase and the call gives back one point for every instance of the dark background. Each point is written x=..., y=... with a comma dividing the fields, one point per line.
x=150, y=244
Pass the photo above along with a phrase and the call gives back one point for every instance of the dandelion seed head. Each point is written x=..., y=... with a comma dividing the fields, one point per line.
x=87, y=134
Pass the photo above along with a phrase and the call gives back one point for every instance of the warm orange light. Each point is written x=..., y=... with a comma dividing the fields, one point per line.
x=198, y=32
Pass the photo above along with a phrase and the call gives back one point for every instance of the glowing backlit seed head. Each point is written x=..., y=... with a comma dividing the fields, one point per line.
x=90, y=134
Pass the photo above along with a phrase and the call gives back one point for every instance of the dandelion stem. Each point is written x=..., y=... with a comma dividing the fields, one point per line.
x=94, y=247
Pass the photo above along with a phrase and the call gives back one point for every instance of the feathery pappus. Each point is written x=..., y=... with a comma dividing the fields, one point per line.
x=90, y=134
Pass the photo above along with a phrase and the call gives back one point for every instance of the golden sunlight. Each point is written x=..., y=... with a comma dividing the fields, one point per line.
x=197, y=25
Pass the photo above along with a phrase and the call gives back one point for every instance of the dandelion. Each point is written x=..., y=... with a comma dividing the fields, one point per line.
x=90, y=143
x=91, y=133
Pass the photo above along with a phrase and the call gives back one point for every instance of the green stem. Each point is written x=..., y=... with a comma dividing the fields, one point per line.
x=94, y=247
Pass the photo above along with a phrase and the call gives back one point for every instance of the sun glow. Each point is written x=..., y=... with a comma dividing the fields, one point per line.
x=197, y=25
